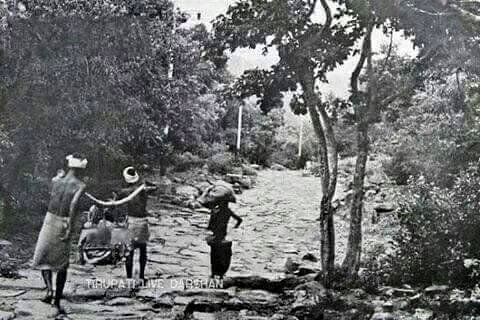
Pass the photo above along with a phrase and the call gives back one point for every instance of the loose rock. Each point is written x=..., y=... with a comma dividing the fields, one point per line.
x=384, y=208
x=186, y=191
x=423, y=314
x=4, y=243
x=436, y=289
x=121, y=301
x=5, y=315
x=249, y=170
x=278, y=167
x=309, y=300
x=310, y=257
x=34, y=309
x=203, y=316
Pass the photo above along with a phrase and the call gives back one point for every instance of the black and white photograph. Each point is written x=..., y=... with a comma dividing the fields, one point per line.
x=240, y=159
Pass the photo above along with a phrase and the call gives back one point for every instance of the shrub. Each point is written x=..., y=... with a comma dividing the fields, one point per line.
x=378, y=269
x=187, y=161
x=317, y=169
x=286, y=155
x=249, y=171
x=439, y=231
x=399, y=167
x=8, y=267
x=221, y=163
x=345, y=135
x=208, y=150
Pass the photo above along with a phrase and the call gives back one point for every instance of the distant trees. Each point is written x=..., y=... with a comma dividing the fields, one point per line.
x=259, y=131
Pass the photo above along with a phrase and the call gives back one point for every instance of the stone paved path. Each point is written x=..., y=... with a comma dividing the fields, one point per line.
x=279, y=221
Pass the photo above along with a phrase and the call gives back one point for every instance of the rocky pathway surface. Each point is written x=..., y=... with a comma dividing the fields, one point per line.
x=279, y=222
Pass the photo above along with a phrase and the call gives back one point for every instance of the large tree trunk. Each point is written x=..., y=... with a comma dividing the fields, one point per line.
x=354, y=246
x=328, y=157
x=326, y=207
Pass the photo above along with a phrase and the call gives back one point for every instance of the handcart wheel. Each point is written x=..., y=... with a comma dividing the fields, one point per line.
x=96, y=260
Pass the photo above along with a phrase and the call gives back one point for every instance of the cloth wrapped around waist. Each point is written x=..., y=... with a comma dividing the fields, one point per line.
x=215, y=240
x=138, y=229
x=52, y=251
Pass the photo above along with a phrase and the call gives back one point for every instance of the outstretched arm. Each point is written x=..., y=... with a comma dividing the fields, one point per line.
x=118, y=202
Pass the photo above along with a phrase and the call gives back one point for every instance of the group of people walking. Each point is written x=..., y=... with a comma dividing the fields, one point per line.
x=52, y=251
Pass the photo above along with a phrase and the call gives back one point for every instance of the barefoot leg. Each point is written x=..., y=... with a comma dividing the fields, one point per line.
x=47, y=278
x=60, y=282
x=143, y=260
x=129, y=264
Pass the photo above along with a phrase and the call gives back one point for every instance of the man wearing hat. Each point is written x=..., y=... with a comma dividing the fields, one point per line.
x=135, y=196
x=53, y=246
x=137, y=219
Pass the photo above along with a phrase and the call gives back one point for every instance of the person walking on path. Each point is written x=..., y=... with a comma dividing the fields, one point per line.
x=136, y=194
x=216, y=198
x=52, y=250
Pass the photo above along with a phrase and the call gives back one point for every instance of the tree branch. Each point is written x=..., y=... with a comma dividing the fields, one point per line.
x=386, y=101
x=328, y=23
x=465, y=14
x=361, y=61
x=429, y=13
x=430, y=52
x=389, y=52
x=328, y=14
x=332, y=153
x=312, y=4
x=455, y=8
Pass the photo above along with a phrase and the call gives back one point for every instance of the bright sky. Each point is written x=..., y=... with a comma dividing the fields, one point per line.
x=244, y=59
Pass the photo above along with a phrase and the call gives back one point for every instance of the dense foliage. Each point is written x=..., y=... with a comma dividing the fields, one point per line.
x=93, y=77
x=433, y=143
x=439, y=239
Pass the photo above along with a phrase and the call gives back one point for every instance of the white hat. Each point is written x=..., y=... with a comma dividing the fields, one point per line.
x=128, y=177
x=75, y=162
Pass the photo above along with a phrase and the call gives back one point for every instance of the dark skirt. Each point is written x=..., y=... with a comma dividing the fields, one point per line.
x=220, y=257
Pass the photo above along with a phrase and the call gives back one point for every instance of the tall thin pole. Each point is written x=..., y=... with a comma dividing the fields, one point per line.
x=239, y=129
x=170, y=55
x=300, y=139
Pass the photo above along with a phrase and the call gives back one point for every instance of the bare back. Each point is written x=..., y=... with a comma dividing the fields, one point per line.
x=62, y=195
